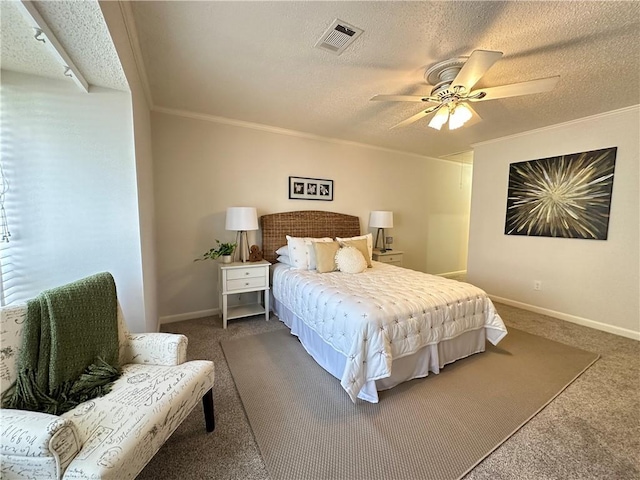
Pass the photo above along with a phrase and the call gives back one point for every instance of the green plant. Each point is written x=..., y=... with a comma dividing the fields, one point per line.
x=219, y=250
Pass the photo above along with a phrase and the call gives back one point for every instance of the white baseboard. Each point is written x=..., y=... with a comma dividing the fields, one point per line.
x=452, y=274
x=189, y=315
x=623, y=332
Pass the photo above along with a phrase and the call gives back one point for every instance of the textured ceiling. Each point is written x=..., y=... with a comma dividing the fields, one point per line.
x=255, y=61
x=20, y=51
x=79, y=26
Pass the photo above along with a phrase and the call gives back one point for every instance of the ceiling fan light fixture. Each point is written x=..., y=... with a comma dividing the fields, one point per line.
x=460, y=115
x=452, y=93
x=440, y=118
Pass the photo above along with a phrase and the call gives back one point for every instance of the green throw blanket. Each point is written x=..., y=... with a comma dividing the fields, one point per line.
x=69, y=352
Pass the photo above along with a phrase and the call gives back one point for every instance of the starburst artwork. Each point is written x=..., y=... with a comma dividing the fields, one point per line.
x=566, y=196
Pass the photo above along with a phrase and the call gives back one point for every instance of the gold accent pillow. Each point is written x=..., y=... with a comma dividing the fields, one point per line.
x=326, y=256
x=360, y=245
x=368, y=237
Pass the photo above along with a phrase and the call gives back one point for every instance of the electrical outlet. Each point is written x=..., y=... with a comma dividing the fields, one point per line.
x=537, y=285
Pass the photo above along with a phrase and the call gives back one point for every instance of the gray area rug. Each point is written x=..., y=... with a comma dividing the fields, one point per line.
x=435, y=428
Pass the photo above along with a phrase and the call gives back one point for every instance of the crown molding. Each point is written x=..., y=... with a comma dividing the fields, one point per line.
x=284, y=131
x=558, y=125
x=132, y=35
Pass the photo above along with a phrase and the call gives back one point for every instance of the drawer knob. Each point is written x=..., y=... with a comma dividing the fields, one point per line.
x=246, y=273
x=246, y=284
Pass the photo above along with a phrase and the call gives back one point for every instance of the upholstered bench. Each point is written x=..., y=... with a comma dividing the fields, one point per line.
x=110, y=437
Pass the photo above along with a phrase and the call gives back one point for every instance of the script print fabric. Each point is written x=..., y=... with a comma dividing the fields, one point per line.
x=121, y=432
x=110, y=437
x=383, y=313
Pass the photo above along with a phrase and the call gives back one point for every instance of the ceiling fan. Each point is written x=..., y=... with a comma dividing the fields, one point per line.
x=451, y=95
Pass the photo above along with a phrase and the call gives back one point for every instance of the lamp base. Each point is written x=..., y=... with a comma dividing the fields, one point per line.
x=383, y=248
x=241, y=253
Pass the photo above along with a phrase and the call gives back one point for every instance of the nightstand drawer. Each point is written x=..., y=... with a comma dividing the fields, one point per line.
x=390, y=259
x=249, y=282
x=238, y=273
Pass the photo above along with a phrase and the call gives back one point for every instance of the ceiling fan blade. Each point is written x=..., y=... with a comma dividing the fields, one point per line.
x=403, y=98
x=475, y=118
x=416, y=117
x=515, y=89
x=475, y=67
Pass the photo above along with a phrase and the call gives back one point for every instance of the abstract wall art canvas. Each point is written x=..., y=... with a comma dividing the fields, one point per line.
x=566, y=196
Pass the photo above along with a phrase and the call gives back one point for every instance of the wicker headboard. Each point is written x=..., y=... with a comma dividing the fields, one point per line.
x=304, y=223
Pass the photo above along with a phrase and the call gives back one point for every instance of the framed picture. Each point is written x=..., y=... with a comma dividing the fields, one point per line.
x=303, y=188
x=567, y=196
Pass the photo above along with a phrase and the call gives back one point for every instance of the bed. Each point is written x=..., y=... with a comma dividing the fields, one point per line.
x=379, y=328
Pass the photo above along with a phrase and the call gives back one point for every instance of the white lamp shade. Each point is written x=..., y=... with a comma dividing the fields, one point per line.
x=241, y=219
x=381, y=219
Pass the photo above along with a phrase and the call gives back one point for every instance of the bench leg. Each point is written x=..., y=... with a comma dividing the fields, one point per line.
x=207, y=403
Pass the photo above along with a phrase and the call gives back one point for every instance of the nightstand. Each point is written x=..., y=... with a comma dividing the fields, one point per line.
x=392, y=257
x=238, y=277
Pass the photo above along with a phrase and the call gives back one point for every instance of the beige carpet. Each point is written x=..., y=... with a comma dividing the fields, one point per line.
x=435, y=428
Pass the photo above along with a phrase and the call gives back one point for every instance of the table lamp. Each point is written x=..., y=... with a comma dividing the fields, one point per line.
x=241, y=219
x=381, y=219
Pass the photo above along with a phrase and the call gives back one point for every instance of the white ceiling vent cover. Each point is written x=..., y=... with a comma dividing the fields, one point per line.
x=338, y=37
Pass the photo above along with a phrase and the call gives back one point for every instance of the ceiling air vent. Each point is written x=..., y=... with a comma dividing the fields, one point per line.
x=338, y=37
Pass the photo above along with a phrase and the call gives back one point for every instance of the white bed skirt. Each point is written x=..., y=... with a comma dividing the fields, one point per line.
x=428, y=359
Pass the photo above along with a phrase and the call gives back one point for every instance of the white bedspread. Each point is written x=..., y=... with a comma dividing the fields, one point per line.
x=384, y=313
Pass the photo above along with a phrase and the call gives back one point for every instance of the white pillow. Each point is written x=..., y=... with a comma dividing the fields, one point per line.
x=368, y=237
x=284, y=259
x=299, y=251
x=350, y=260
x=284, y=251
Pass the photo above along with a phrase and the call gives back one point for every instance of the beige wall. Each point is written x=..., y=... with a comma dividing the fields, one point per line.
x=116, y=22
x=595, y=283
x=447, y=216
x=202, y=167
